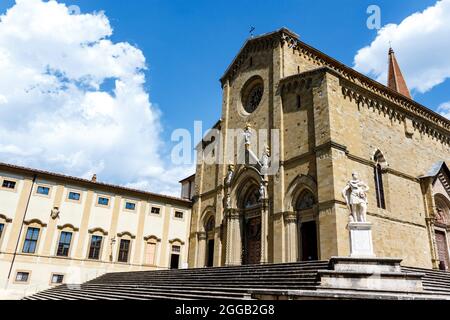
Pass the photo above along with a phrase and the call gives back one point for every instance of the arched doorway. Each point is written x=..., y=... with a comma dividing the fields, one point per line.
x=442, y=224
x=307, y=226
x=209, y=229
x=250, y=208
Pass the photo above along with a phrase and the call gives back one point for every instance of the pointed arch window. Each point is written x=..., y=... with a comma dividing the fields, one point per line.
x=378, y=177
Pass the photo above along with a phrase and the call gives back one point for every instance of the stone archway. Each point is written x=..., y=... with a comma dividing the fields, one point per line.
x=250, y=208
x=307, y=226
x=442, y=225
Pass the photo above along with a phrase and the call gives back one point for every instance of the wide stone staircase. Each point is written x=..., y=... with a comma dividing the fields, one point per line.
x=206, y=283
x=434, y=281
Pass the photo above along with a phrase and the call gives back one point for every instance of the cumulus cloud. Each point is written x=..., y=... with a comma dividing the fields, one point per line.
x=73, y=101
x=421, y=42
x=444, y=109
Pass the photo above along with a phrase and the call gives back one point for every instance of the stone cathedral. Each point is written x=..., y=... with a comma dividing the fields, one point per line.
x=332, y=122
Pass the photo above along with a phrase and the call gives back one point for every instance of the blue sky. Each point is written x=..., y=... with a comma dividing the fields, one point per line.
x=189, y=44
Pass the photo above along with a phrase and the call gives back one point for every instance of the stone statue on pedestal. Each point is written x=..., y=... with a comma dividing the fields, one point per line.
x=229, y=176
x=355, y=196
x=247, y=135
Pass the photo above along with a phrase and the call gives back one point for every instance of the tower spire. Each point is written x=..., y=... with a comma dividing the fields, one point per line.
x=395, y=77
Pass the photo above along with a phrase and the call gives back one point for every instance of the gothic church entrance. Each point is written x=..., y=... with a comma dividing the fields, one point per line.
x=251, y=222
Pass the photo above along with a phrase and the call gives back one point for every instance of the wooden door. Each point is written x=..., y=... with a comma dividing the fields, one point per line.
x=252, y=252
x=441, y=243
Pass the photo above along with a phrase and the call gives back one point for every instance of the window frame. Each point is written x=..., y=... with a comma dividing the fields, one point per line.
x=178, y=218
x=130, y=202
x=156, y=207
x=69, y=191
x=57, y=283
x=119, y=250
x=65, y=230
x=42, y=185
x=36, y=241
x=22, y=282
x=106, y=206
x=2, y=181
x=100, y=248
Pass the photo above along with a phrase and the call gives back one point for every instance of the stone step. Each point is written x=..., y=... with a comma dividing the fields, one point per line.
x=113, y=293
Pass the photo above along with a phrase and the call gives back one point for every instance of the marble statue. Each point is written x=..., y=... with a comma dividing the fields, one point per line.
x=229, y=176
x=228, y=201
x=262, y=191
x=355, y=196
x=248, y=135
x=265, y=159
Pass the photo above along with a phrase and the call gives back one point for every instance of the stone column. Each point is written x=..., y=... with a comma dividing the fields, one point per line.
x=233, y=250
x=428, y=199
x=201, y=249
x=264, y=231
x=290, y=221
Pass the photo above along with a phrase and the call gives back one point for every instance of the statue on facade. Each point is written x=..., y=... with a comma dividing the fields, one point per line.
x=262, y=191
x=247, y=135
x=355, y=196
x=228, y=201
x=265, y=159
x=229, y=176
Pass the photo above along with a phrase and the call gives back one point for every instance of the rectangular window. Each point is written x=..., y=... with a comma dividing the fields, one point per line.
x=8, y=184
x=57, y=278
x=64, y=244
x=43, y=190
x=156, y=210
x=2, y=227
x=124, y=250
x=75, y=196
x=130, y=206
x=103, y=201
x=31, y=240
x=94, y=249
x=178, y=214
x=176, y=249
x=22, y=276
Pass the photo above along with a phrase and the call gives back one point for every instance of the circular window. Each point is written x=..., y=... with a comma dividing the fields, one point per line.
x=252, y=94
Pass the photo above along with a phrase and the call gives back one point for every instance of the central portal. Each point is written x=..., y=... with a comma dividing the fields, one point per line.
x=252, y=243
x=251, y=226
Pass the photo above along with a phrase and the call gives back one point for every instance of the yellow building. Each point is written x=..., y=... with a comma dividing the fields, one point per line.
x=59, y=229
x=329, y=121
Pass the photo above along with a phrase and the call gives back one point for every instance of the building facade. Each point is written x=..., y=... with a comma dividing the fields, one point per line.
x=331, y=121
x=57, y=229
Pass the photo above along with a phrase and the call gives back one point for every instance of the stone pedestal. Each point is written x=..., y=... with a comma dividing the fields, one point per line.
x=361, y=239
x=369, y=274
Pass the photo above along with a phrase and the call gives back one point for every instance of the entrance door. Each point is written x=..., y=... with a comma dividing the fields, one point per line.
x=252, y=245
x=308, y=233
x=441, y=242
x=210, y=254
x=174, y=261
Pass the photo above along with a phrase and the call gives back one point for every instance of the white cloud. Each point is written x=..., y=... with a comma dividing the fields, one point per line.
x=73, y=101
x=422, y=45
x=444, y=109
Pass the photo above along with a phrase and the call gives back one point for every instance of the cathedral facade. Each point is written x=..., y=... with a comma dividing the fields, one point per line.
x=325, y=121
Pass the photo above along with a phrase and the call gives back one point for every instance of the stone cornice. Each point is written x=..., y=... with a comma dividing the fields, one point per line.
x=422, y=120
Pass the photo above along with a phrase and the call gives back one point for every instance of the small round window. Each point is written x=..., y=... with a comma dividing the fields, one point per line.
x=252, y=94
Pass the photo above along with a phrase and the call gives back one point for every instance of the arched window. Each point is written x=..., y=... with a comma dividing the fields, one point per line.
x=305, y=201
x=378, y=177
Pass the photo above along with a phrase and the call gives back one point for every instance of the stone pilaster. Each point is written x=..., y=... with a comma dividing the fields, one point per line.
x=233, y=250
x=201, y=236
x=290, y=222
x=265, y=231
